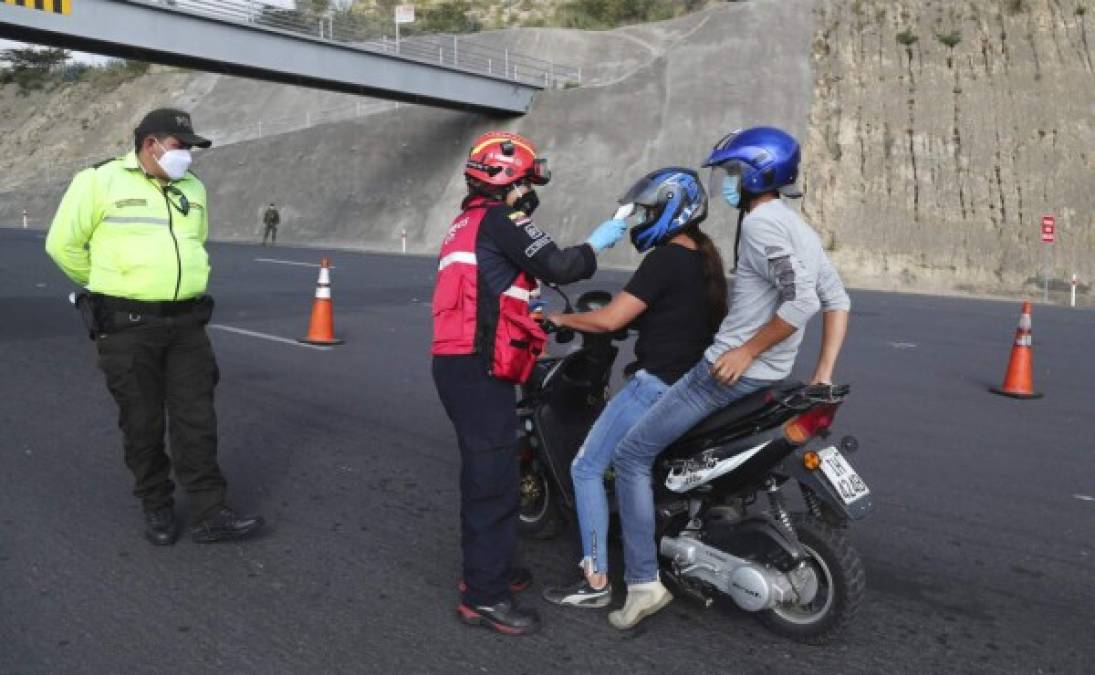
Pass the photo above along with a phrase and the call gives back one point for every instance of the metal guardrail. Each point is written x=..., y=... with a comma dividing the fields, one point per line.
x=445, y=50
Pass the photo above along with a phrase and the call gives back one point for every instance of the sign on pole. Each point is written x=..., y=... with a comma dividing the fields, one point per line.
x=1049, y=229
x=403, y=14
x=1049, y=232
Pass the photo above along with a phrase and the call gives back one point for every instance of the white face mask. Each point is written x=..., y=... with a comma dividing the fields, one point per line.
x=174, y=162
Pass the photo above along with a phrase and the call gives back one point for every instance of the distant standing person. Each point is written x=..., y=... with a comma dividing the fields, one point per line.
x=132, y=230
x=270, y=220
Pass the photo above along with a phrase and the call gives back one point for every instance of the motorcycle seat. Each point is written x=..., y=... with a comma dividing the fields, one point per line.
x=738, y=410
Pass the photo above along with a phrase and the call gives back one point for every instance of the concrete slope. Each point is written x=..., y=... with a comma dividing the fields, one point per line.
x=360, y=183
x=604, y=56
x=655, y=95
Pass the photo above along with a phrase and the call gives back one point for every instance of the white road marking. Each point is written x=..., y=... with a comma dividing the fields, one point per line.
x=1085, y=498
x=272, y=338
x=290, y=262
x=903, y=345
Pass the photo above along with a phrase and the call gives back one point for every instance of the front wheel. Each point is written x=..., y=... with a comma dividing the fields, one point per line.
x=539, y=515
x=841, y=586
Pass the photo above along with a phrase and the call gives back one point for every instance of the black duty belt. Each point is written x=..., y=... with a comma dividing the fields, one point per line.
x=165, y=308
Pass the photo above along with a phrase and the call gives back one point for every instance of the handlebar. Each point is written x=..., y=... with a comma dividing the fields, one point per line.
x=564, y=334
x=561, y=333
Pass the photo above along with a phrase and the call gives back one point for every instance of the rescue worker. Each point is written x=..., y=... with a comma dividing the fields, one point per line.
x=485, y=342
x=132, y=231
x=270, y=221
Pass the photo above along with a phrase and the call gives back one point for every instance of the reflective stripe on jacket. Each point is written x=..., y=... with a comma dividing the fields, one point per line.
x=518, y=340
x=116, y=233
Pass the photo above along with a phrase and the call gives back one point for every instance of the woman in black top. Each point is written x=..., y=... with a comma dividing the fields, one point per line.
x=675, y=300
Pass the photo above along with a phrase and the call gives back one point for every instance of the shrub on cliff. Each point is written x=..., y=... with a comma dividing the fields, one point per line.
x=600, y=14
x=113, y=73
x=32, y=69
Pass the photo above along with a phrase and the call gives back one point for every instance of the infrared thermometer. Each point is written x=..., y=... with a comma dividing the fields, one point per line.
x=624, y=212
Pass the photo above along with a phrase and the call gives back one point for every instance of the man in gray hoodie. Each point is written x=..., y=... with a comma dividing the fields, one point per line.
x=783, y=278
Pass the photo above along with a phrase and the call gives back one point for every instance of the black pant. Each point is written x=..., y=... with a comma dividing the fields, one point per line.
x=482, y=410
x=166, y=365
x=271, y=231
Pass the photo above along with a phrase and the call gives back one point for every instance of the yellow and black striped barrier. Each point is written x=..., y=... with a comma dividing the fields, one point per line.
x=52, y=6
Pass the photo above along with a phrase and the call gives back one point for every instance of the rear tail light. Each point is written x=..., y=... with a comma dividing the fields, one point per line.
x=802, y=428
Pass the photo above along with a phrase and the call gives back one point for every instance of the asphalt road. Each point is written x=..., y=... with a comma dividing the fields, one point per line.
x=979, y=554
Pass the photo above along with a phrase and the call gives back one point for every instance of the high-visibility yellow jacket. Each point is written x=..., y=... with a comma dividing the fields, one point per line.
x=120, y=232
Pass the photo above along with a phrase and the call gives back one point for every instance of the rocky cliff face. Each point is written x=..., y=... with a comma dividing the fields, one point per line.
x=941, y=132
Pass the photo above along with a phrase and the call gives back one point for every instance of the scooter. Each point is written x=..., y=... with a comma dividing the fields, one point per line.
x=724, y=528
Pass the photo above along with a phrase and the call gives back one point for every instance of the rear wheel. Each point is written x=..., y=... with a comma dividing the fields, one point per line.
x=841, y=583
x=539, y=515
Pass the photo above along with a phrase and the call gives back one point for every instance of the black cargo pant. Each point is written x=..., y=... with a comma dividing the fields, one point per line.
x=482, y=410
x=162, y=372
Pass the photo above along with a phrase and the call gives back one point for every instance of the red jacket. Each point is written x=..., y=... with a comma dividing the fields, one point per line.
x=458, y=320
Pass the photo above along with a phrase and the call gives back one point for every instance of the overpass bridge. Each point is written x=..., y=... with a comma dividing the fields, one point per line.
x=248, y=39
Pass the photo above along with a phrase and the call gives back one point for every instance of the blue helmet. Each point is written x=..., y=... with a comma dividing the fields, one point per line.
x=668, y=200
x=764, y=158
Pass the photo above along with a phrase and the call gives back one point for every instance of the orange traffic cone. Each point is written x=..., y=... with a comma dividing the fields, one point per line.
x=321, y=330
x=1019, y=380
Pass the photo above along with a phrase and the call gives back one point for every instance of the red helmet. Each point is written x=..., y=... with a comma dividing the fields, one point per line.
x=499, y=158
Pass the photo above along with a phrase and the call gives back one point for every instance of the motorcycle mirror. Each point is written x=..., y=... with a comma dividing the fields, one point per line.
x=591, y=300
x=567, y=307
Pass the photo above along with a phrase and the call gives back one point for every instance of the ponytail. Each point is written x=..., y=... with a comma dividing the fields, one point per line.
x=714, y=278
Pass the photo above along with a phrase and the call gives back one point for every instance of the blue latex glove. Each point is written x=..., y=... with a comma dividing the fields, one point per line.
x=607, y=234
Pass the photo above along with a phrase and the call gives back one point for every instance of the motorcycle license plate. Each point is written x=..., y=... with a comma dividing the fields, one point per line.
x=842, y=476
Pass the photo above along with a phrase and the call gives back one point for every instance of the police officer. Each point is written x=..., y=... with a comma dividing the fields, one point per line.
x=132, y=231
x=484, y=343
x=270, y=220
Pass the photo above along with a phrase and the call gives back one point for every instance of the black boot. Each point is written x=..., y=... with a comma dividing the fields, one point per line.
x=520, y=578
x=505, y=617
x=224, y=524
x=159, y=526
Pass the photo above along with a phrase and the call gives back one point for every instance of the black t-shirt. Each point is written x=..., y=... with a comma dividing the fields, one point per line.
x=674, y=330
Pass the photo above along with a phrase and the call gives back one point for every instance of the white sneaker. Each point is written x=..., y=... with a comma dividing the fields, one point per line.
x=642, y=601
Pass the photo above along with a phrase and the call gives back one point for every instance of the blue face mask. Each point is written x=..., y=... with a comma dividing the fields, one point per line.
x=731, y=190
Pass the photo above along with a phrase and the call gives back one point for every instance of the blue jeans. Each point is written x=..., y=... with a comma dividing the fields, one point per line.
x=588, y=468
x=691, y=399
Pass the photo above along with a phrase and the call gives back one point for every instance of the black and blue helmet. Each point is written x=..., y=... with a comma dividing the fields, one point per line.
x=762, y=159
x=667, y=201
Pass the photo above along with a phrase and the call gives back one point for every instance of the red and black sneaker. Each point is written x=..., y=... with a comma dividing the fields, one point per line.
x=505, y=617
x=520, y=578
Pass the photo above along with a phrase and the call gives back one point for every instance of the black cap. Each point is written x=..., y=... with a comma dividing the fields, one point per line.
x=174, y=123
